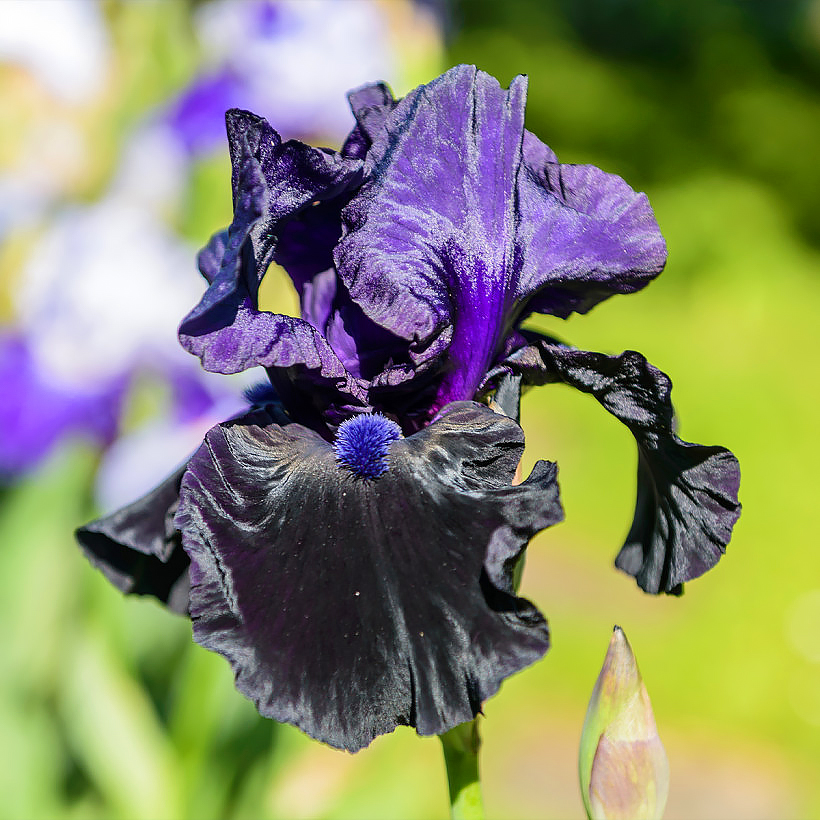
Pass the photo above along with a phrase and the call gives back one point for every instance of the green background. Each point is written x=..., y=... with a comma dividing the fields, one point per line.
x=107, y=710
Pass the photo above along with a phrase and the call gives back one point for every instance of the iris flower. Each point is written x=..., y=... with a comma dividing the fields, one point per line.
x=349, y=543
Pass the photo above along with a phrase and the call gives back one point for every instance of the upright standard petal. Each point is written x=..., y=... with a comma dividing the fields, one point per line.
x=429, y=248
x=272, y=182
x=583, y=236
x=371, y=105
x=687, y=499
x=348, y=604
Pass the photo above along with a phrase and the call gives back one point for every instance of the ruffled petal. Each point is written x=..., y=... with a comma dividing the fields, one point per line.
x=138, y=548
x=305, y=251
x=583, y=236
x=348, y=606
x=687, y=499
x=229, y=335
x=371, y=105
x=466, y=222
x=272, y=182
x=429, y=248
x=209, y=259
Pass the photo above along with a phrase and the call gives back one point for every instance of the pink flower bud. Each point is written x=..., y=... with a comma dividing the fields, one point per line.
x=623, y=767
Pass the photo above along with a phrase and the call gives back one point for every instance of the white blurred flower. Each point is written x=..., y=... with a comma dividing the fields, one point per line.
x=136, y=462
x=103, y=291
x=64, y=43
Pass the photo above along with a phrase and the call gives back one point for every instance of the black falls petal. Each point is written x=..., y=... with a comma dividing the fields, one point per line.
x=348, y=606
x=138, y=548
x=687, y=493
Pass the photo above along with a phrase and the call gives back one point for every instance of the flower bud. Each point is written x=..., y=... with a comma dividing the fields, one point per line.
x=622, y=764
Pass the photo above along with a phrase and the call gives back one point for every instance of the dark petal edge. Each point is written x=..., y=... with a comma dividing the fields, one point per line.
x=371, y=105
x=349, y=607
x=138, y=548
x=687, y=493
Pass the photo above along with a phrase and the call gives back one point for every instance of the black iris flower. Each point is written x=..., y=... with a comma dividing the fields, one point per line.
x=349, y=543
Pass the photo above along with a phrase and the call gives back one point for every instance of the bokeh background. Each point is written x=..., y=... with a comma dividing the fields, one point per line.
x=113, y=171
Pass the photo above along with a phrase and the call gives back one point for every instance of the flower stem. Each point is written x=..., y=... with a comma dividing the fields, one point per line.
x=461, y=746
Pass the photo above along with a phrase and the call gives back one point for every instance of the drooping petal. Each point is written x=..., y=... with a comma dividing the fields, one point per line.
x=348, y=606
x=429, y=248
x=687, y=493
x=138, y=548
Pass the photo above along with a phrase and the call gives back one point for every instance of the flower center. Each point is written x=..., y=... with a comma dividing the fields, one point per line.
x=362, y=442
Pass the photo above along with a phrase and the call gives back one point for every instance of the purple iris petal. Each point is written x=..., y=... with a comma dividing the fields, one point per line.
x=391, y=600
x=271, y=181
x=304, y=249
x=456, y=232
x=584, y=235
x=429, y=248
x=371, y=104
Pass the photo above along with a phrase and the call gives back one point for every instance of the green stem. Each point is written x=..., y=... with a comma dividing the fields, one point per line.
x=461, y=746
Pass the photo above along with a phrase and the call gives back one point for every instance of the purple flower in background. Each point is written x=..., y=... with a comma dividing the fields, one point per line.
x=88, y=324
x=34, y=413
x=291, y=60
x=352, y=539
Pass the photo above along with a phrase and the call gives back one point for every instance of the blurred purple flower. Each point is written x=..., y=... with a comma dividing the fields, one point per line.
x=289, y=60
x=88, y=323
x=35, y=414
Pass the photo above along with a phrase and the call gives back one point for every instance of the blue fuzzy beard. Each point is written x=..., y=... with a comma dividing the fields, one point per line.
x=362, y=442
x=261, y=394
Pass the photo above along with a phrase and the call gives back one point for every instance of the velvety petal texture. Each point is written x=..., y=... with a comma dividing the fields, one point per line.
x=349, y=605
x=138, y=548
x=584, y=236
x=687, y=500
x=465, y=222
x=272, y=182
x=415, y=250
x=430, y=235
x=371, y=105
